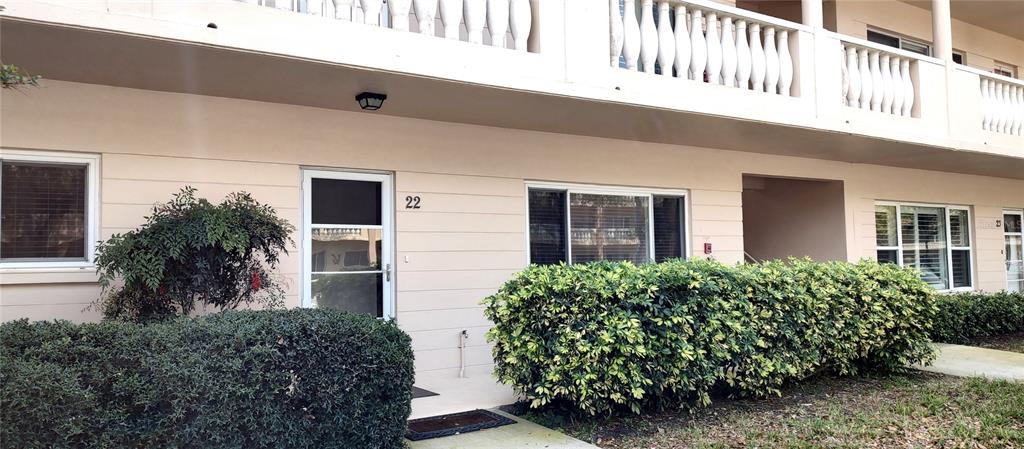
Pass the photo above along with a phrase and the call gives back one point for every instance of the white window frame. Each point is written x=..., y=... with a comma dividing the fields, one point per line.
x=387, y=227
x=949, y=240
x=92, y=199
x=596, y=189
x=901, y=38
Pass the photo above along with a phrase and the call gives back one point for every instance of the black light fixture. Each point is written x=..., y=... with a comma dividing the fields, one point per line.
x=371, y=101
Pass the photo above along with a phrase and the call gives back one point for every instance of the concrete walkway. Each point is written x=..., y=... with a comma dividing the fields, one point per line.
x=970, y=361
x=521, y=435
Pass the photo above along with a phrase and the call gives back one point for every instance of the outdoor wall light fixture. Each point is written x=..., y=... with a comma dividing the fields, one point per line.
x=371, y=101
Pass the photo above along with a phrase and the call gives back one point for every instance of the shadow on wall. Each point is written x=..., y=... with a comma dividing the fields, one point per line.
x=785, y=217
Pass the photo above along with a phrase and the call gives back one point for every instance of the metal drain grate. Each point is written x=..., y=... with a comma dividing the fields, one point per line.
x=454, y=424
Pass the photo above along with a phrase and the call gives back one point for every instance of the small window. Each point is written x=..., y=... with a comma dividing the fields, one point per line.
x=958, y=57
x=579, y=226
x=1002, y=68
x=896, y=41
x=935, y=240
x=45, y=218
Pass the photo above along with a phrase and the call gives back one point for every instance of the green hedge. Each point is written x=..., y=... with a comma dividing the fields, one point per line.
x=603, y=336
x=243, y=379
x=963, y=317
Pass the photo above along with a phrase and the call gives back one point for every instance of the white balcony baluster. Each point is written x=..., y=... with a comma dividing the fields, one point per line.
x=699, y=46
x=1004, y=110
x=785, y=65
x=648, y=36
x=865, y=79
x=757, y=59
x=683, y=48
x=474, y=13
x=714, y=44
x=343, y=9
x=399, y=10
x=1019, y=128
x=451, y=17
x=908, y=88
x=729, y=59
x=771, y=57
x=631, y=33
x=986, y=105
x=666, y=39
x=887, y=88
x=897, y=85
x=497, y=21
x=853, y=72
x=426, y=14
x=521, y=23
x=615, y=30
x=371, y=11
x=742, y=56
x=877, y=89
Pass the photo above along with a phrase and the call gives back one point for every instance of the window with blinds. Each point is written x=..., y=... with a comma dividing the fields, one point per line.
x=43, y=211
x=935, y=240
x=583, y=226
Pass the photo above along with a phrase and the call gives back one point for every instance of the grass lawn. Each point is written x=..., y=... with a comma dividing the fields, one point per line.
x=1011, y=342
x=900, y=411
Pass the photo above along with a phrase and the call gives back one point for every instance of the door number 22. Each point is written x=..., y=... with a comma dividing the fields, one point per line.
x=412, y=202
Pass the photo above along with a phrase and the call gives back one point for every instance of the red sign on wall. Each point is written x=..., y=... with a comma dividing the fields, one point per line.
x=707, y=248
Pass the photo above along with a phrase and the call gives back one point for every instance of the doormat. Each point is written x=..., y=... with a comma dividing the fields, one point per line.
x=418, y=392
x=454, y=424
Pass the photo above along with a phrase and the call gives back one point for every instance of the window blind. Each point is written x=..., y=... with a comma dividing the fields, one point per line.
x=924, y=243
x=42, y=210
x=547, y=226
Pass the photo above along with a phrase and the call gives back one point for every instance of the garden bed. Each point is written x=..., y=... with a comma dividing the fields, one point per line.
x=1009, y=342
x=913, y=410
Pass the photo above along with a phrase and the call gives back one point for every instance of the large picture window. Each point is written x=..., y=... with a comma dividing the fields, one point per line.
x=935, y=240
x=579, y=225
x=46, y=204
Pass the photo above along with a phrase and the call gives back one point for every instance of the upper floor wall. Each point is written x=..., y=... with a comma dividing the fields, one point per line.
x=608, y=69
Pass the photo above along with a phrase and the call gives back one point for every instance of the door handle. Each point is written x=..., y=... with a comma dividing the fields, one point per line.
x=387, y=272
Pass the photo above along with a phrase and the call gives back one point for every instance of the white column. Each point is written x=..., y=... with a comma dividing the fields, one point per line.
x=810, y=11
x=942, y=30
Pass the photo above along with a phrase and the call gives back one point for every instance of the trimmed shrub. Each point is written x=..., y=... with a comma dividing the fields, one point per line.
x=241, y=379
x=963, y=317
x=603, y=336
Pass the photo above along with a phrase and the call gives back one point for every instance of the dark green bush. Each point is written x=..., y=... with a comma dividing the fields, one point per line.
x=192, y=252
x=603, y=336
x=243, y=379
x=963, y=317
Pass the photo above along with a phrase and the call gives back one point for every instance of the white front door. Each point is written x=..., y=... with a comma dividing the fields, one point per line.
x=347, y=238
x=1014, y=250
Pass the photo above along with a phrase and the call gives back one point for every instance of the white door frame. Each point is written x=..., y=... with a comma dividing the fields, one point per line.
x=1019, y=213
x=387, y=198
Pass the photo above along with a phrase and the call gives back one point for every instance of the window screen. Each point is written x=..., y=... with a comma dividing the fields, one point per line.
x=614, y=226
x=925, y=243
x=43, y=211
x=547, y=226
x=668, y=227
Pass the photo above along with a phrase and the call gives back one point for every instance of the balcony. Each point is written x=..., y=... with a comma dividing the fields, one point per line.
x=693, y=72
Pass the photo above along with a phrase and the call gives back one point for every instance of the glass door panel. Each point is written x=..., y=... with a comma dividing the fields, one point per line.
x=347, y=239
x=1014, y=250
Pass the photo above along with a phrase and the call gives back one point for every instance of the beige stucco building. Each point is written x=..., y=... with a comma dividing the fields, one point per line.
x=570, y=143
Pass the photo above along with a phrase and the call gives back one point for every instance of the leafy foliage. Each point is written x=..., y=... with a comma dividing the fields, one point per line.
x=239, y=379
x=11, y=77
x=963, y=317
x=604, y=336
x=191, y=251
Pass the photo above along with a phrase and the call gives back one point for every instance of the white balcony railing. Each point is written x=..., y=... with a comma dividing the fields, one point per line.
x=705, y=42
x=878, y=80
x=1002, y=103
x=499, y=23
